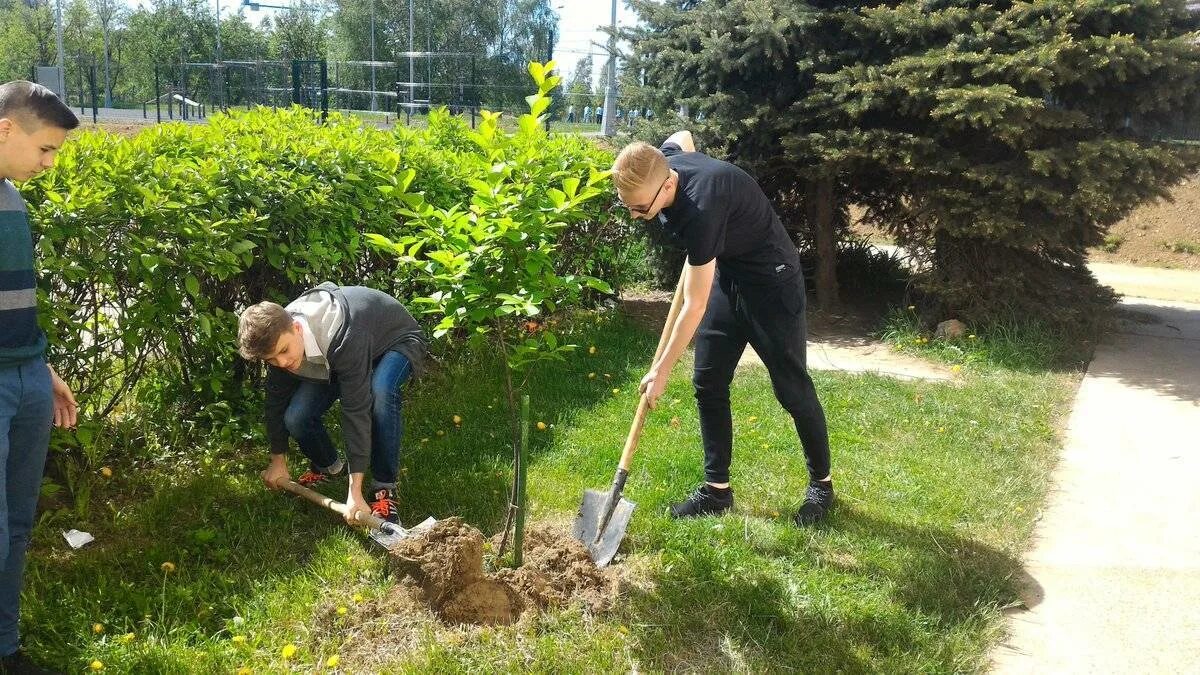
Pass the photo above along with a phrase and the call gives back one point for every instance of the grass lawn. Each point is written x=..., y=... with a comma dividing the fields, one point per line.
x=938, y=484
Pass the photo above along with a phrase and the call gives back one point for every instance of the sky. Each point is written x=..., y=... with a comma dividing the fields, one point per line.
x=578, y=24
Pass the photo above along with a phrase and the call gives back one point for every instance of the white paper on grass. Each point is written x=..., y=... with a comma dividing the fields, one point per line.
x=78, y=539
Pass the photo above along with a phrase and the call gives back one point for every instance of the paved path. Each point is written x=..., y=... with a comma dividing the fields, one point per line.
x=1114, y=572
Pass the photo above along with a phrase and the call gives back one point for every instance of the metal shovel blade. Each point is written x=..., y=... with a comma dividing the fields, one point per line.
x=388, y=535
x=587, y=524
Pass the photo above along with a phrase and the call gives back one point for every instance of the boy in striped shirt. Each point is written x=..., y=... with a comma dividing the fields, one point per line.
x=33, y=126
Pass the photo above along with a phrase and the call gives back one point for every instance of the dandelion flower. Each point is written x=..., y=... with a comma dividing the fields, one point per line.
x=97, y=628
x=333, y=661
x=342, y=611
x=168, y=567
x=238, y=639
x=97, y=665
x=288, y=651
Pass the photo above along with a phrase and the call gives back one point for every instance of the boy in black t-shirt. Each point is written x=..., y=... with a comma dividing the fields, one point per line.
x=742, y=285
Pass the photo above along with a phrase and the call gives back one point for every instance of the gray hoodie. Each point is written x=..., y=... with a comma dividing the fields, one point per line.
x=354, y=326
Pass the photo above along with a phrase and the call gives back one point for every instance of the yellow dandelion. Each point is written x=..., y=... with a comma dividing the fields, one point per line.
x=106, y=472
x=592, y=349
x=956, y=368
x=97, y=665
x=774, y=514
x=753, y=418
x=342, y=611
x=97, y=628
x=358, y=597
x=457, y=419
x=591, y=376
x=168, y=567
x=441, y=433
x=288, y=651
x=128, y=637
x=616, y=391
x=333, y=661
x=238, y=639
x=541, y=426
x=941, y=430
x=623, y=630
x=244, y=671
x=971, y=336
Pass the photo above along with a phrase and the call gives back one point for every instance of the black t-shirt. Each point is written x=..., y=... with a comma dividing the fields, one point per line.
x=721, y=212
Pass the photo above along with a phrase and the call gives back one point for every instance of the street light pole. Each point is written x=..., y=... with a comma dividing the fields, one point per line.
x=610, y=90
x=58, y=38
x=412, y=88
x=218, y=31
x=374, y=96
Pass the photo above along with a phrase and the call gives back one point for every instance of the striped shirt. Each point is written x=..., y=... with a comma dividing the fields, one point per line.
x=20, y=337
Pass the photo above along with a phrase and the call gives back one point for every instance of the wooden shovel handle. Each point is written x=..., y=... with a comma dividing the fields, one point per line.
x=639, y=418
x=369, y=519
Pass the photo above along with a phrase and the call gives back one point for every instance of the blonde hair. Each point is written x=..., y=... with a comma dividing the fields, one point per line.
x=259, y=329
x=639, y=164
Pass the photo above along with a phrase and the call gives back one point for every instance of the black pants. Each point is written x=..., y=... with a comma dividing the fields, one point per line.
x=771, y=319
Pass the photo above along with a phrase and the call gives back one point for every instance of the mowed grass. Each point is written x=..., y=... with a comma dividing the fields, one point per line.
x=938, y=487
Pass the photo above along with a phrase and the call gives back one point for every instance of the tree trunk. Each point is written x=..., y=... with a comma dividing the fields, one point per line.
x=820, y=210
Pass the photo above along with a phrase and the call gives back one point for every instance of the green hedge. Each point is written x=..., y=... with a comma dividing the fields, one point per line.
x=149, y=245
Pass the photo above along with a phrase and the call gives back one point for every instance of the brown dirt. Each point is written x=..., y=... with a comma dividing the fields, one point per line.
x=1143, y=237
x=120, y=129
x=446, y=564
x=1147, y=233
x=557, y=571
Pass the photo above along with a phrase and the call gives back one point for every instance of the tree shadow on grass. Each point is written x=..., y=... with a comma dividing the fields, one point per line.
x=860, y=594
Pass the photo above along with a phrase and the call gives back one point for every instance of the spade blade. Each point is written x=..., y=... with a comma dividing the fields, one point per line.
x=602, y=549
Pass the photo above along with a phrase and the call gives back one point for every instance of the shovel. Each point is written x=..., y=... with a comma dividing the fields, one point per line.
x=604, y=516
x=382, y=532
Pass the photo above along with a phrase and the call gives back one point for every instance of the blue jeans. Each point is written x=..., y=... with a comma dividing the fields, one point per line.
x=304, y=423
x=26, y=413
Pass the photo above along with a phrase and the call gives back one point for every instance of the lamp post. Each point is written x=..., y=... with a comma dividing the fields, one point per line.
x=610, y=90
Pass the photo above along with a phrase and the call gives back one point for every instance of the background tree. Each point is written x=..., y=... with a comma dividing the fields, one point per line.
x=998, y=141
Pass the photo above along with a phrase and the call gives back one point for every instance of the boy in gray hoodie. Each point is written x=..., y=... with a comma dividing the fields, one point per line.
x=349, y=342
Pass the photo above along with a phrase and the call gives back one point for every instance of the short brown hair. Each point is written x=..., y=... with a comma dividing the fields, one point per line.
x=638, y=165
x=259, y=329
x=27, y=101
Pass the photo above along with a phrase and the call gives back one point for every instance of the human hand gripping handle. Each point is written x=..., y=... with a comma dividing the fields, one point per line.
x=276, y=473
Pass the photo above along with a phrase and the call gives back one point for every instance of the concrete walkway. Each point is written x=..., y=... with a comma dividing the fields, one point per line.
x=1114, y=574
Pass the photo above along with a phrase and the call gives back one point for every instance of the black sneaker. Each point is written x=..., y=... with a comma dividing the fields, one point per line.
x=818, y=499
x=383, y=505
x=704, y=501
x=19, y=664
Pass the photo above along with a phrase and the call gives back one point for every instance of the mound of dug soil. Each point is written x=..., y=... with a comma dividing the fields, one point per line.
x=446, y=563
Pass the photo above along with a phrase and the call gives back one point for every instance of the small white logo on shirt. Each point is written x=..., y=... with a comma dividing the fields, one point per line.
x=780, y=268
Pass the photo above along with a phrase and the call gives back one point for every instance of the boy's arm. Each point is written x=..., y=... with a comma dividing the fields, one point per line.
x=280, y=387
x=354, y=381
x=683, y=139
x=697, y=285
